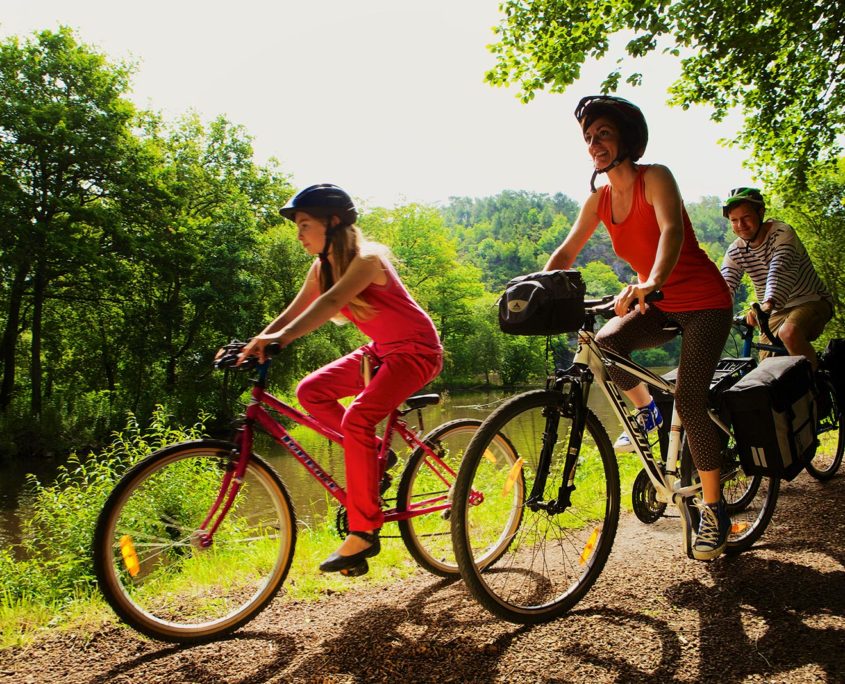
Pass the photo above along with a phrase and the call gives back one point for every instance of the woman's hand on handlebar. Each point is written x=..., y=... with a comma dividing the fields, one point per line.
x=633, y=295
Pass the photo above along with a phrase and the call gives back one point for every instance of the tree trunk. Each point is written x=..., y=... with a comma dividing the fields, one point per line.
x=38, y=290
x=9, y=344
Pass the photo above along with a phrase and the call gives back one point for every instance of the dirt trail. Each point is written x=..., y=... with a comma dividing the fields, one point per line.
x=774, y=614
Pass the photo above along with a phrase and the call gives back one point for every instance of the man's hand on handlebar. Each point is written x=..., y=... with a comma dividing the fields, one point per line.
x=756, y=312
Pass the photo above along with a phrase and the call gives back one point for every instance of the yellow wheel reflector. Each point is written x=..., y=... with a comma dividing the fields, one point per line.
x=739, y=528
x=130, y=558
x=589, y=546
x=490, y=456
x=513, y=475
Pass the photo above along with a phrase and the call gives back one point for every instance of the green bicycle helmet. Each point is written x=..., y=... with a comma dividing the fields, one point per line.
x=740, y=195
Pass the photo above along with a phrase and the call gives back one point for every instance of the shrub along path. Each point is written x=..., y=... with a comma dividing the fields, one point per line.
x=774, y=614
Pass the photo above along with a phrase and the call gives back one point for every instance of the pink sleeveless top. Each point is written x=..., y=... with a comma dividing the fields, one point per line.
x=400, y=324
x=694, y=284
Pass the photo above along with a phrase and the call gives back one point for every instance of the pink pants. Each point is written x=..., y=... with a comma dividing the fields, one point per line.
x=399, y=376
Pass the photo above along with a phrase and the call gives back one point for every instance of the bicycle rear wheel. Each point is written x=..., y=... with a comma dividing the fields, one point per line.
x=553, y=554
x=750, y=499
x=828, y=457
x=150, y=565
x=425, y=482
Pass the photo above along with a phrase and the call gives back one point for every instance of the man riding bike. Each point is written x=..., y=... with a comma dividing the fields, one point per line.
x=785, y=283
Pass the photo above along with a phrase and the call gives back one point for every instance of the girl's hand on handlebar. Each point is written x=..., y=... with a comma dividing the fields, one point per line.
x=257, y=346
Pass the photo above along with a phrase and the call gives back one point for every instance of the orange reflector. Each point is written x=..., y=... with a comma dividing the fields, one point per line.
x=739, y=528
x=490, y=456
x=589, y=546
x=130, y=558
x=513, y=475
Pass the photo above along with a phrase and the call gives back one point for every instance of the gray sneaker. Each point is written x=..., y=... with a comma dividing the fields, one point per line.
x=713, y=529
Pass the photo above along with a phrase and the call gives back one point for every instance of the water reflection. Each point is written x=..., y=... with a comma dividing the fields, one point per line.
x=311, y=500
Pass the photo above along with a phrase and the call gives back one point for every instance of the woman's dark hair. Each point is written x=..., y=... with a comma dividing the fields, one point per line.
x=633, y=130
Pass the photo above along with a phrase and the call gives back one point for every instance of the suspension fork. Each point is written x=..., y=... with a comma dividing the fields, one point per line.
x=573, y=405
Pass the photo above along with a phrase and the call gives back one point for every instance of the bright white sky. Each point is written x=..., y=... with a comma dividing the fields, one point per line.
x=383, y=97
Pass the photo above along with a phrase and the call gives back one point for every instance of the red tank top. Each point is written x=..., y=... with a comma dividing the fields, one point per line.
x=400, y=324
x=694, y=284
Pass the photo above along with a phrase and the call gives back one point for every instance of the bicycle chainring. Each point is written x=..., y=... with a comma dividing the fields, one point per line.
x=341, y=522
x=644, y=499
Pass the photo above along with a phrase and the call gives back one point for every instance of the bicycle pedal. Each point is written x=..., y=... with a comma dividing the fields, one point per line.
x=356, y=571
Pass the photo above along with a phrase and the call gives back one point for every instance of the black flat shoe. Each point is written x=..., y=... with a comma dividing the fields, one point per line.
x=356, y=564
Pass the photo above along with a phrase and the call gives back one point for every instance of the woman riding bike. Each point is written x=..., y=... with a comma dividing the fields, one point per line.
x=642, y=210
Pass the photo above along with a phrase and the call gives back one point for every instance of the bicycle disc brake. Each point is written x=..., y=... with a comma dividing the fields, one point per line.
x=644, y=499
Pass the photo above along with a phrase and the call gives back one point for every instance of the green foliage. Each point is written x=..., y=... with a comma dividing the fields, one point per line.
x=818, y=216
x=600, y=279
x=57, y=535
x=780, y=63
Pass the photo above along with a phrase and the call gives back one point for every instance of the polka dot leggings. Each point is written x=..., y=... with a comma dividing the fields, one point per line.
x=705, y=333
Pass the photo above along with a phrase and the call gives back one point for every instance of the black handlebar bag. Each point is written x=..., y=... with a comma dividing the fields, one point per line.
x=544, y=303
x=773, y=413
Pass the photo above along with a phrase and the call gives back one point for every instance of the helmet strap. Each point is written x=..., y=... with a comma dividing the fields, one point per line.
x=753, y=237
x=616, y=162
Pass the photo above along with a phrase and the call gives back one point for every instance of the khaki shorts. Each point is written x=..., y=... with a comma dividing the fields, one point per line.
x=810, y=317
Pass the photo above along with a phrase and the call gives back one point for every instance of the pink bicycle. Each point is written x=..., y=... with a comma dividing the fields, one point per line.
x=196, y=539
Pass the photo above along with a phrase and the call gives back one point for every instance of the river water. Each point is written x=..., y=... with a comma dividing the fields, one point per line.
x=309, y=497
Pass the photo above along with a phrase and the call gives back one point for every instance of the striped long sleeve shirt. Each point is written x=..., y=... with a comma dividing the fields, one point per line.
x=780, y=269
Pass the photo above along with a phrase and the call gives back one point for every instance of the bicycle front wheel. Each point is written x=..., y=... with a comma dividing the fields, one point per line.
x=828, y=457
x=556, y=548
x=150, y=565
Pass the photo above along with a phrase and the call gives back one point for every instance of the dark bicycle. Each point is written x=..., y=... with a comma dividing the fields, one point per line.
x=831, y=440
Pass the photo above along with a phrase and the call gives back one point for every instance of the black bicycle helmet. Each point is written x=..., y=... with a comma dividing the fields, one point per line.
x=740, y=195
x=633, y=129
x=322, y=200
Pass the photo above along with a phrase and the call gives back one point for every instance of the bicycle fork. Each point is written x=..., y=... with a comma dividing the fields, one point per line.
x=574, y=402
x=203, y=537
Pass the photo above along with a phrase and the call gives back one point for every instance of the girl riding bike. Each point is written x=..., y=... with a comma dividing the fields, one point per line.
x=353, y=280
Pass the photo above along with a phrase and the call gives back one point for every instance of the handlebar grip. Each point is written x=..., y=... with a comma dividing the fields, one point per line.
x=763, y=320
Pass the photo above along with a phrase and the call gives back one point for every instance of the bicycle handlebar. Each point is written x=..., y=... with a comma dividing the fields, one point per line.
x=763, y=320
x=603, y=306
x=227, y=356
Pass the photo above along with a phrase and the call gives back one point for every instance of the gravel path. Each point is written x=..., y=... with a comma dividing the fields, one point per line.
x=774, y=614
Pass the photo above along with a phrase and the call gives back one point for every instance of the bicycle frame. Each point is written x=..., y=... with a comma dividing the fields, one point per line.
x=592, y=363
x=258, y=414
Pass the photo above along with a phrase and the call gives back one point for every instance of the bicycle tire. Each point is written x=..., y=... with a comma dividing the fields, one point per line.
x=428, y=537
x=750, y=499
x=553, y=557
x=828, y=457
x=174, y=590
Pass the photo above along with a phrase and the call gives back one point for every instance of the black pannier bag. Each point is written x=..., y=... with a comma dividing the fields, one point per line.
x=773, y=413
x=544, y=303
